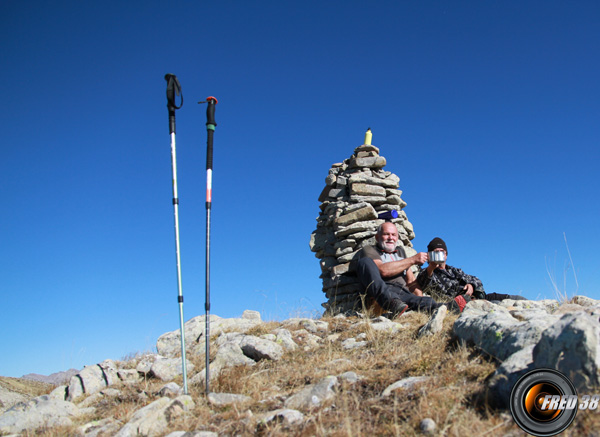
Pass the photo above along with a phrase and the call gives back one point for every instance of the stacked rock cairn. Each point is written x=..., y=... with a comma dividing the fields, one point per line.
x=357, y=191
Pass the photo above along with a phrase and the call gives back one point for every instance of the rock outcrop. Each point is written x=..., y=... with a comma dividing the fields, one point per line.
x=526, y=335
x=357, y=192
x=37, y=412
x=15, y=390
x=169, y=344
x=153, y=419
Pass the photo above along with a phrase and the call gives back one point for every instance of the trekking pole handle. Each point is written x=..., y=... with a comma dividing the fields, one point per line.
x=173, y=88
x=210, y=111
x=210, y=126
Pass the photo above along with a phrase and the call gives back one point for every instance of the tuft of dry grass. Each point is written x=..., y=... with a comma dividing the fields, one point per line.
x=561, y=294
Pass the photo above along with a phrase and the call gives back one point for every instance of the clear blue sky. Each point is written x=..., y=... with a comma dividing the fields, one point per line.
x=488, y=111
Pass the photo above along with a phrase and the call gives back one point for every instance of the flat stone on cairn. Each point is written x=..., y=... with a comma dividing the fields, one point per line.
x=356, y=191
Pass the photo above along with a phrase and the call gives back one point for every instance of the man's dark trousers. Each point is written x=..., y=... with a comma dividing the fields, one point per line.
x=370, y=277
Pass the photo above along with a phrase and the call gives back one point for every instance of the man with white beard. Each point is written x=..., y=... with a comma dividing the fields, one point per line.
x=384, y=271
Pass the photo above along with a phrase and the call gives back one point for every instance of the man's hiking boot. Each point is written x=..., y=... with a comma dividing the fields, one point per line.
x=459, y=303
x=397, y=307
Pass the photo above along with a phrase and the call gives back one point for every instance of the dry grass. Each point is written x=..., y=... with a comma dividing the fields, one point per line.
x=560, y=292
x=454, y=396
x=456, y=376
x=25, y=386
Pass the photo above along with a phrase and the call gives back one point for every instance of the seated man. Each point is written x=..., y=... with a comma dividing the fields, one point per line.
x=385, y=273
x=443, y=281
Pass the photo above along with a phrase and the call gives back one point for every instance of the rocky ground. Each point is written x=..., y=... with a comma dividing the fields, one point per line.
x=15, y=390
x=416, y=375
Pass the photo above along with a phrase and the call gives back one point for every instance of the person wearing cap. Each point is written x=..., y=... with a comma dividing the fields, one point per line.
x=444, y=281
x=385, y=272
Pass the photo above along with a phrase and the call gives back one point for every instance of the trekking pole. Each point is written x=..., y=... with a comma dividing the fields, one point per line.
x=173, y=88
x=210, y=130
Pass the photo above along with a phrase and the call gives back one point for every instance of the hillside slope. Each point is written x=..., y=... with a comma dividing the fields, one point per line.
x=336, y=376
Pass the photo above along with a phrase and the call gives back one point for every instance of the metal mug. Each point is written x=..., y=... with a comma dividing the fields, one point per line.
x=436, y=256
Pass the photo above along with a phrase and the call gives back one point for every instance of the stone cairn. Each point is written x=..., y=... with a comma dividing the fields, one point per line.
x=357, y=191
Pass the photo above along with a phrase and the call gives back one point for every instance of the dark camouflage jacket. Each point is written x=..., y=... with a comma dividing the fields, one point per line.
x=449, y=283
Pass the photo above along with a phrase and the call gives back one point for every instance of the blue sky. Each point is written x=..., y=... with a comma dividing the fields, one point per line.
x=487, y=111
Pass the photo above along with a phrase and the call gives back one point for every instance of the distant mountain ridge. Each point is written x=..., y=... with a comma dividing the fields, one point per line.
x=58, y=378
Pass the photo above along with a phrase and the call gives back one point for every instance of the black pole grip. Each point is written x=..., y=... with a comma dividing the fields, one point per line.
x=210, y=111
x=209, y=148
x=173, y=89
x=171, y=121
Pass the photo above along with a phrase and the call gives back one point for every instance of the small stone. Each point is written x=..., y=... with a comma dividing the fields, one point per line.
x=343, y=251
x=171, y=389
x=341, y=269
x=353, y=207
x=313, y=395
x=427, y=426
x=365, y=213
x=351, y=343
x=166, y=369
x=337, y=192
x=251, y=315
x=371, y=162
x=330, y=180
x=365, y=154
x=259, y=349
x=585, y=301
x=154, y=418
x=367, y=190
x=373, y=200
x=350, y=377
x=224, y=399
x=436, y=323
x=145, y=363
x=128, y=376
x=347, y=257
x=345, y=243
x=393, y=192
x=389, y=182
x=100, y=427
x=366, y=148
x=59, y=393
x=284, y=338
x=333, y=337
x=404, y=384
x=286, y=415
x=395, y=200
